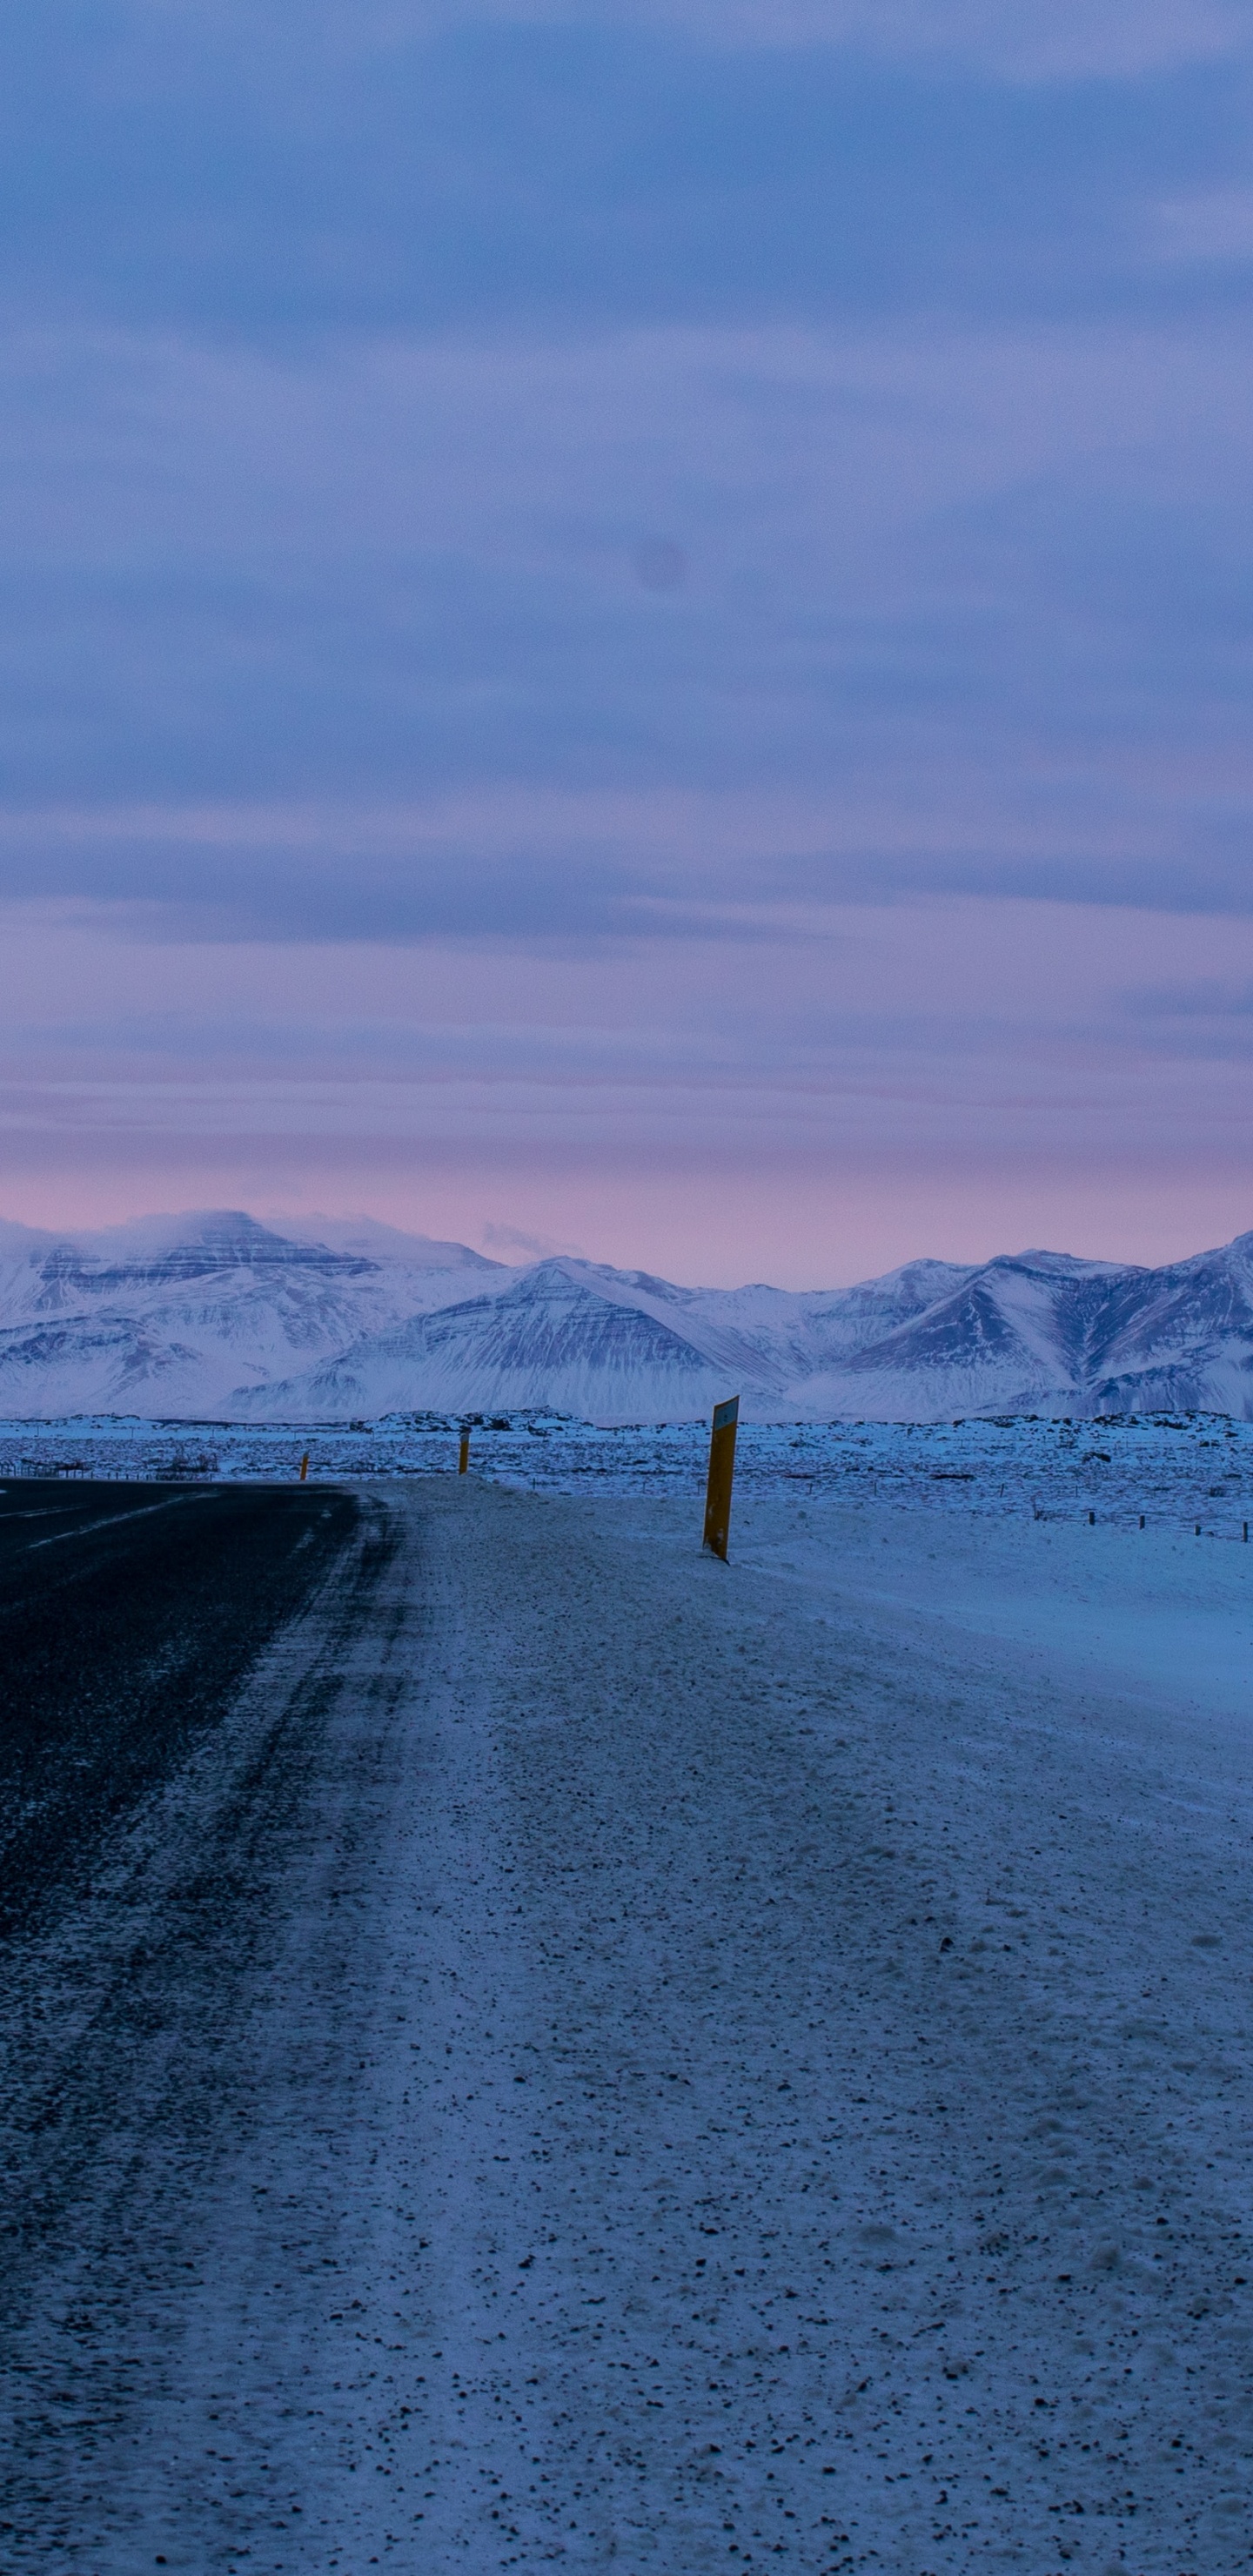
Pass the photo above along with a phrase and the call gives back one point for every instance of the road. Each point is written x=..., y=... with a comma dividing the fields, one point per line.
x=535, y=2054
x=128, y=1616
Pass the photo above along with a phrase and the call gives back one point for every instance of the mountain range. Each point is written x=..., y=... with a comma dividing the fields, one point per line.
x=217, y=1316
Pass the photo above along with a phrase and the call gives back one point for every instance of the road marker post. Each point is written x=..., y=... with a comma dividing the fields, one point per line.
x=304, y=1466
x=463, y=1455
x=721, y=1473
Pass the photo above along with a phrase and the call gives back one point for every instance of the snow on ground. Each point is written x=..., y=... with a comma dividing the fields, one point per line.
x=751, y=2065
x=1156, y=1615
x=1176, y=1469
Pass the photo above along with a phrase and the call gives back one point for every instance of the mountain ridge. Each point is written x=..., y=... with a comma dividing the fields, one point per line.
x=217, y=1313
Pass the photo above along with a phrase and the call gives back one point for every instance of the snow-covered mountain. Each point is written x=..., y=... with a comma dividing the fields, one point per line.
x=181, y=1316
x=370, y=1240
x=216, y=1315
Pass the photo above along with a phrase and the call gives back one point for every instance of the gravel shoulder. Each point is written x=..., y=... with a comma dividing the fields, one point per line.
x=610, y=2060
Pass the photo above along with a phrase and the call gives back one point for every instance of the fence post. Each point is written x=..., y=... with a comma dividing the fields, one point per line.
x=721, y=1472
x=304, y=1466
x=463, y=1455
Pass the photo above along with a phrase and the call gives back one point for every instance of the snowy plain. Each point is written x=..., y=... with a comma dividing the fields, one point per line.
x=1177, y=1469
x=742, y=2064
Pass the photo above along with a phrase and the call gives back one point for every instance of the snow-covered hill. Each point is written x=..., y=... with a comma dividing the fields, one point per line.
x=181, y=1315
x=215, y=1315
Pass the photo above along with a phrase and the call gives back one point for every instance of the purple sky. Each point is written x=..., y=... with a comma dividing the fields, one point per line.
x=630, y=628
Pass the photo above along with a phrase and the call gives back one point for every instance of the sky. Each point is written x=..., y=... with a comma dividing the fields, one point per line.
x=629, y=628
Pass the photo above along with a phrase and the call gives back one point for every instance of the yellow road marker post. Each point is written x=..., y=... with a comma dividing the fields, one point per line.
x=721, y=1471
x=463, y=1458
x=304, y=1466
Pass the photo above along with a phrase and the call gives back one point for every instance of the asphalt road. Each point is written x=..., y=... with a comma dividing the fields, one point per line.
x=129, y=1615
x=168, y=1658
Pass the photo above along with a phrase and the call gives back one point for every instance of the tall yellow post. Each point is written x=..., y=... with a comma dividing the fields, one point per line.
x=304, y=1466
x=721, y=1471
x=463, y=1458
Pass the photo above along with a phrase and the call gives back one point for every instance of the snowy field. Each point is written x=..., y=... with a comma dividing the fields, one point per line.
x=728, y=2067
x=1177, y=1469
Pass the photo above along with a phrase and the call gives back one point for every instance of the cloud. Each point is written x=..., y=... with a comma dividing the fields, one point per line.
x=1015, y=38
x=1215, y=225
x=1071, y=40
x=659, y=564
x=579, y=508
x=522, y=868
x=268, y=172
x=1212, y=999
x=350, y=642
x=510, y=1239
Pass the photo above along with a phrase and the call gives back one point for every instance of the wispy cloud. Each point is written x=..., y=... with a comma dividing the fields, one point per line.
x=563, y=568
x=352, y=642
x=508, y=1241
x=263, y=172
x=1212, y=226
x=1072, y=39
